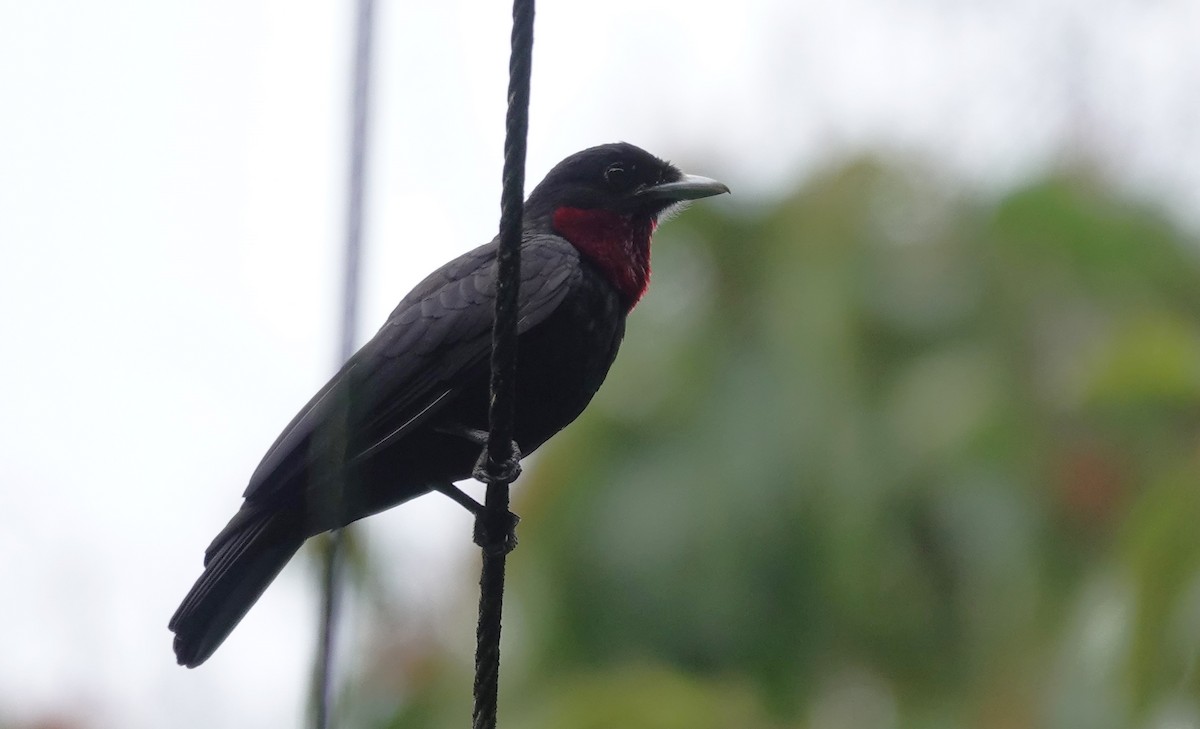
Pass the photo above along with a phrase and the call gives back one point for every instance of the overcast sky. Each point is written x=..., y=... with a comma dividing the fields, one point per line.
x=171, y=201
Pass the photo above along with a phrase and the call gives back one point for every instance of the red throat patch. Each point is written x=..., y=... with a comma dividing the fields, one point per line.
x=619, y=245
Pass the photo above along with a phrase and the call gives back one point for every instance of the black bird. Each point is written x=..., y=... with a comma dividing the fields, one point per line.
x=407, y=412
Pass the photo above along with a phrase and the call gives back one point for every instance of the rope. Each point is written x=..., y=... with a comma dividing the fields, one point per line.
x=331, y=573
x=494, y=526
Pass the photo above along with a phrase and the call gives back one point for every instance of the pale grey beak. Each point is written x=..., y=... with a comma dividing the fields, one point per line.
x=691, y=187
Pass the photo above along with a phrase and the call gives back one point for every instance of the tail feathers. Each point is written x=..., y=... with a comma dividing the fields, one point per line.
x=243, y=560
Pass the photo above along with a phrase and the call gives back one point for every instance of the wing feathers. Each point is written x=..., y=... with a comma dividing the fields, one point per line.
x=437, y=335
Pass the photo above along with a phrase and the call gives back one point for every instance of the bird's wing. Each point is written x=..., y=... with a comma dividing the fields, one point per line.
x=417, y=361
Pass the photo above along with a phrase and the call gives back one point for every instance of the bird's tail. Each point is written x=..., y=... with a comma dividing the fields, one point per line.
x=244, y=558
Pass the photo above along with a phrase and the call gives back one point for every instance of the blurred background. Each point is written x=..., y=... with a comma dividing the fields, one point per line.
x=905, y=435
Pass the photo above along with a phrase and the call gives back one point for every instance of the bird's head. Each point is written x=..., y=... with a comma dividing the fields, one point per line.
x=607, y=201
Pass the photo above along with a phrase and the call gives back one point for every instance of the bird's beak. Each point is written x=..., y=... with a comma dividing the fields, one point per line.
x=691, y=187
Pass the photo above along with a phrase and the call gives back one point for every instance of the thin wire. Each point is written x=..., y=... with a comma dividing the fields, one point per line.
x=493, y=527
x=322, y=675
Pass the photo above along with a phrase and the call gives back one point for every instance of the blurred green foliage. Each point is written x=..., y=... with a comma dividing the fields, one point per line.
x=875, y=455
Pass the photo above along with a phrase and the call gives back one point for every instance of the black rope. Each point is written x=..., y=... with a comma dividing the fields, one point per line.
x=331, y=573
x=494, y=526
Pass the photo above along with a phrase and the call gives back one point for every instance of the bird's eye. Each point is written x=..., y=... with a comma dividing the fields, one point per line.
x=616, y=175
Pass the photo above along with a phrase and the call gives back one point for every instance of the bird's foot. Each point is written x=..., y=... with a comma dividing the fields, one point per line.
x=489, y=471
x=495, y=528
x=506, y=471
x=496, y=531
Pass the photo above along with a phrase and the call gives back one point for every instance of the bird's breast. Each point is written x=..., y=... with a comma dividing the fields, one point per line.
x=562, y=362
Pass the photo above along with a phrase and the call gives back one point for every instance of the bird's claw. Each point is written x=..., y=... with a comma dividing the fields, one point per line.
x=496, y=532
x=506, y=471
x=488, y=471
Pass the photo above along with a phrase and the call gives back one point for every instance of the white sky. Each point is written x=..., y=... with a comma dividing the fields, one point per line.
x=171, y=193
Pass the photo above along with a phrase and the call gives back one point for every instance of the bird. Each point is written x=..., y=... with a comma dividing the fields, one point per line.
x=408, y=412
